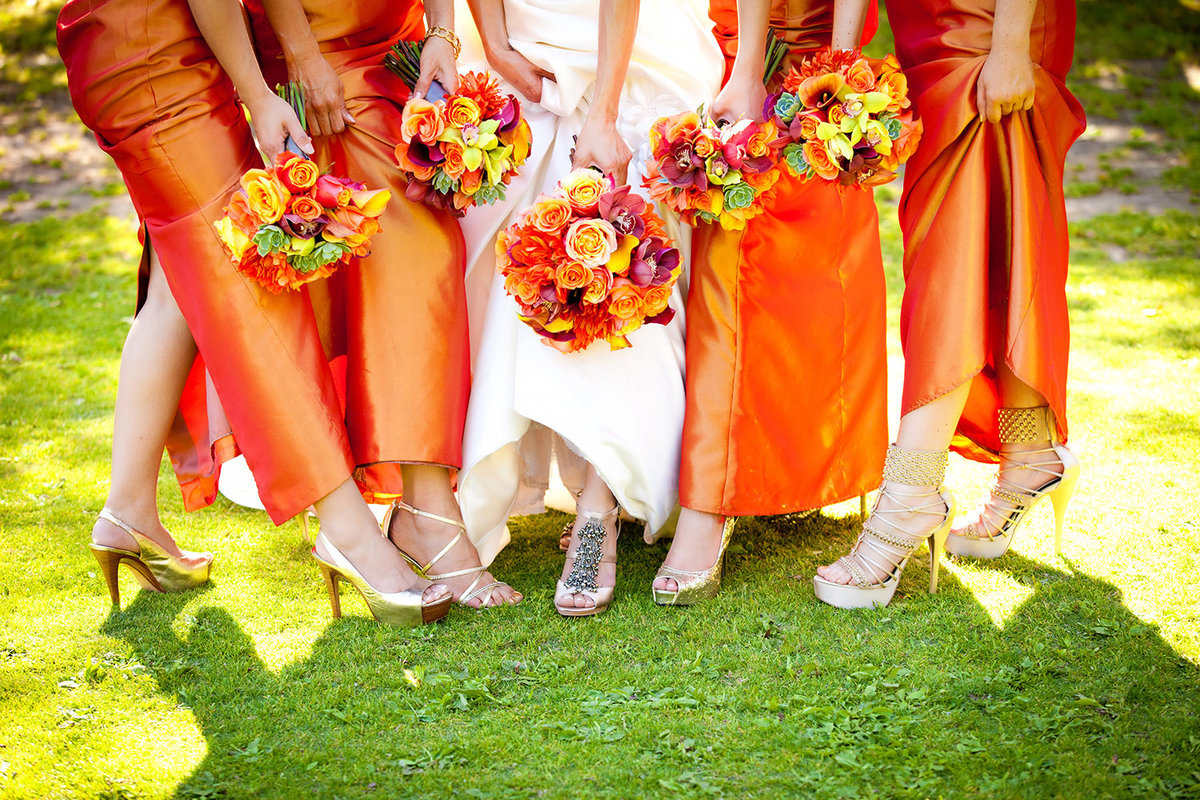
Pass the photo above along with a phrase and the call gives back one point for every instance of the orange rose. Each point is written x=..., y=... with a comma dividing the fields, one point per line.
x=453, y=164
x=462, y=111
x=239, y=211
x=470, y=182
x=591, y=241
x=819, y=159
x=583, y=188
x=296, y=172
x=760, y=143
x=704, y=145
x=265, y=195
x=656, y=298
x=526, y=284
x=837, y=113
x=906, y=145
x=895, y=85
x=306, y=208
x=808, y=126
x=684, y=128
x=572, y=275
x=885, y=66
x=625, y=301
x=421, y=120
x=598, y=288
x=860, y=77
x=550, y=214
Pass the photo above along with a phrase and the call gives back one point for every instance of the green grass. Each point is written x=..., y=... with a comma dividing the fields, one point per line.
x=1029, y=677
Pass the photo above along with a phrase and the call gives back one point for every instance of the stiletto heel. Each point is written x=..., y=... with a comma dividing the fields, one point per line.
x=587, y=558
x=154, y=568
x=692, y=586
x=405, y=608
x=880, y=554
x=991, y=533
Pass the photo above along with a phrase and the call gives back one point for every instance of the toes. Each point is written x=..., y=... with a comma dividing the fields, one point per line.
x=666, y=585
x=435, y=593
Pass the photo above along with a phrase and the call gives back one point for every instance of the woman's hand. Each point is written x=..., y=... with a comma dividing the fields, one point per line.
x=274, y=120
x=1005, y=84
x=437, y=64
x=324, y=95
x=521, y=73
x=599, y=145
x=742, y=98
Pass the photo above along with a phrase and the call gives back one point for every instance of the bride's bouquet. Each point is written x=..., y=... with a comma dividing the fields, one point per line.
x=845, y=118
x=458, y=150
x=589, y=262
x=711, y=172
x=290, y=225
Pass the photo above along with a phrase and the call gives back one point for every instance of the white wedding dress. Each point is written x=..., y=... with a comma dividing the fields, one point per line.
x=620, y=411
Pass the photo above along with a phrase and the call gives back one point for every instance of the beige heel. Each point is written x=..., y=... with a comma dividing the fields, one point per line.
x=155, y=569
x=405, y=608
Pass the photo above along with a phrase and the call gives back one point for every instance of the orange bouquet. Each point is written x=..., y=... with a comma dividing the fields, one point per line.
x=589, y=262
x=710, y=172
x=290, y=225
x=845, y=118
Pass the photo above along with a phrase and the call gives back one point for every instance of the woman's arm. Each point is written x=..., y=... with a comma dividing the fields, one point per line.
x=324, y=95
x=438, y=55
x=599, y=143
x=848, y=19
x=523, y=74
x=744, y=93
x=1006, y=82
x=221, y=24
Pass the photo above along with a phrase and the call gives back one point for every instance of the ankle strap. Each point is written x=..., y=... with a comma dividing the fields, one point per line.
x=1024, y=425
x=915, y=467
x=109, y=516
x=596, y=514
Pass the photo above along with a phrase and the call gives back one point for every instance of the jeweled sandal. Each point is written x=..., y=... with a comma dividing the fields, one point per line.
x=587, y=557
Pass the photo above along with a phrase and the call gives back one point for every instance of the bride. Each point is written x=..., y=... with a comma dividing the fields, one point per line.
x=594, y=75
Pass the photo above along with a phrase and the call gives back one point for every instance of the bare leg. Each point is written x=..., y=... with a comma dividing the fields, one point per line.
x=930, y=427
x=596, y=497
x=155, y=362
x=427, y=488
x=694, y=548
x=1015, y=393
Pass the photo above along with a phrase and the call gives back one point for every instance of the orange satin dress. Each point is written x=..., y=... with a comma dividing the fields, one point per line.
x=786, y=355
x=983, y=216
x=399, y=317
x=142, y=78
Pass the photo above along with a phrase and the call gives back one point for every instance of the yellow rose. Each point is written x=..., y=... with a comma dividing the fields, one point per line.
x=265, y=195
x=462, y=111
x=582, y=189
x=591, y=241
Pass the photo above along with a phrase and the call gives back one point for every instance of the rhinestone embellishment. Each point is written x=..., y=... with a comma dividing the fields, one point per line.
x=588, y=552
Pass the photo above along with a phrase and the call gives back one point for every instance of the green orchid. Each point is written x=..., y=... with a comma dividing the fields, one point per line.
x=481, y=147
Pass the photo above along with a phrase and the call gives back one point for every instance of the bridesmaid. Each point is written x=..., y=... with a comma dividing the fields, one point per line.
x=773, y=427
x=984, y=318
x=400, y=316
x=617, y=65
x=143, y=78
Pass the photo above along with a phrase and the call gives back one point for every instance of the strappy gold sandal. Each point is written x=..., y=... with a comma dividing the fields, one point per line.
x=694, y=586
x=406, y=608
x=586, y=559
x=884, y=547
x=471, y=592
x=155, y=568
x=991, y=532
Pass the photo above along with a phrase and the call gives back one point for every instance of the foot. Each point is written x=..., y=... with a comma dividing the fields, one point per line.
x=423, y=538
x=379, y=562
x=696, y=545
x=908, y=513
x=606, y=574
x=109, y=534
x=1024, y=469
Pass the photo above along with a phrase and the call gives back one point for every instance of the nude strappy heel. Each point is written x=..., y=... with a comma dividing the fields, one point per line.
x=471, y=592
x=586, y=559
x=155, y=568
x=991, y=532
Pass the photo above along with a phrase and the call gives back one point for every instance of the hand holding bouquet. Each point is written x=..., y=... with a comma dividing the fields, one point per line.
x=290, y=225
x=711, y=172
x=590, y=262
x=845, y=118
x=464, y=148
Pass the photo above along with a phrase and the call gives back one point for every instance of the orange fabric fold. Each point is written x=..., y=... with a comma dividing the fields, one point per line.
x=144, y=81
x=983, y=217
x=786, y=356
x=399, y=315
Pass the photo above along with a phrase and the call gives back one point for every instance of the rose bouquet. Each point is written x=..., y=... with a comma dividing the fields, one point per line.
x=845, y=118
x=710, y=172
x=290, y=225
x=589, y=262
x=462, y=149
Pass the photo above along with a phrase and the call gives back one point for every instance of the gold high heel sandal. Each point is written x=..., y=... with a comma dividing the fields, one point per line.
x=694, y=585
x=991, y=533
x=405, y=608
x=887, y=551
x=587, y=558
x=155, y=568
x=472, y=591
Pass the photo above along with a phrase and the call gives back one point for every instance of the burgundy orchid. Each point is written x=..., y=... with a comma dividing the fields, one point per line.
x=652, y=263
x=294, y=225
x=624, y=210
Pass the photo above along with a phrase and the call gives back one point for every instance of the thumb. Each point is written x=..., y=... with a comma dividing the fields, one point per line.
x=297, y=134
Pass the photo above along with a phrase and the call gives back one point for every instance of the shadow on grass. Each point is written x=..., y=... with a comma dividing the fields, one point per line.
x=1070, y=680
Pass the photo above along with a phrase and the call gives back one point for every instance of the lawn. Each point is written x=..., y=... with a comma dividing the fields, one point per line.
x=1032, y=676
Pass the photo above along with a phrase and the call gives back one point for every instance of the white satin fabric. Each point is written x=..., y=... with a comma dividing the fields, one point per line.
x=621, y=411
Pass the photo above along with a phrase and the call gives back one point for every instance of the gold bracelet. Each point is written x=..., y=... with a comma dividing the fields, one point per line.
x=448, y=35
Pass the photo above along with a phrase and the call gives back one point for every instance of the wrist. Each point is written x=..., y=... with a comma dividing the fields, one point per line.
x=254, y=95
x=1010, y=44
